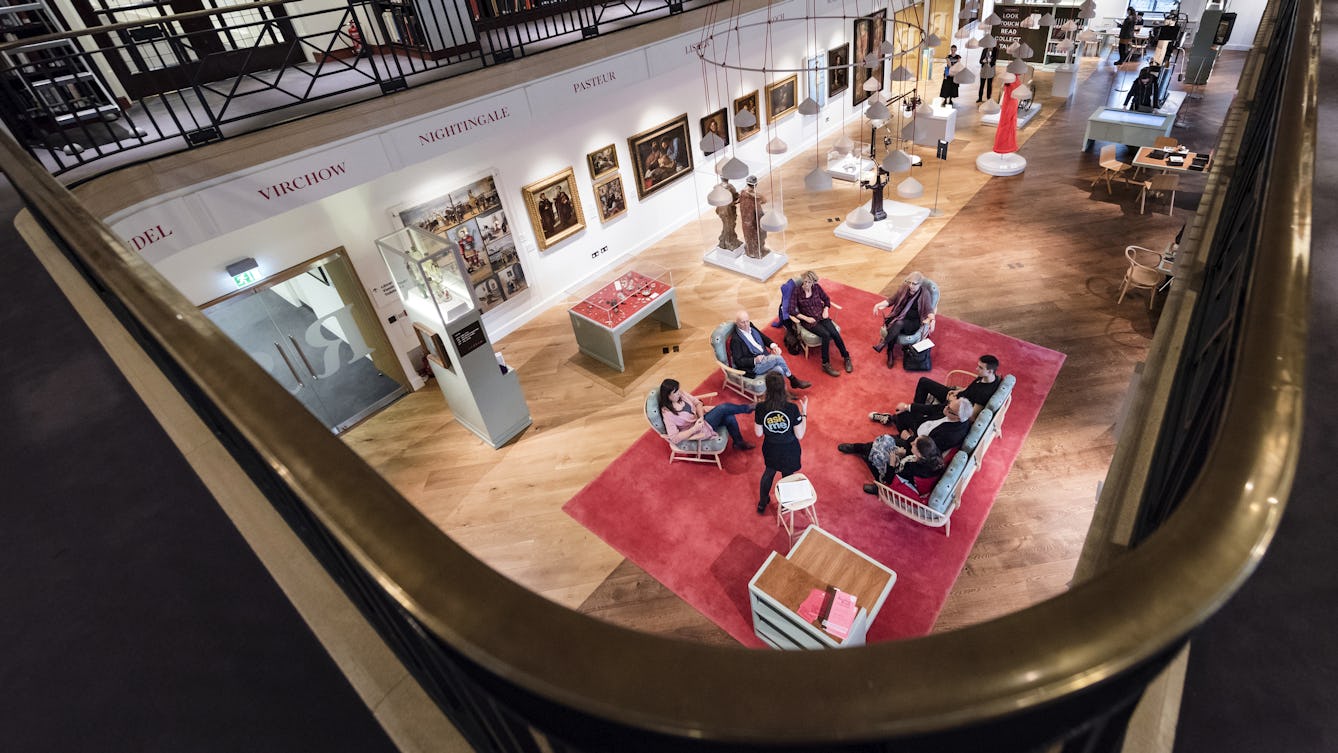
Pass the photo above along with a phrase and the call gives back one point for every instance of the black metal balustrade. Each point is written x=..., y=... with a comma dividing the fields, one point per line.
x=516, y=672
x=146, y=81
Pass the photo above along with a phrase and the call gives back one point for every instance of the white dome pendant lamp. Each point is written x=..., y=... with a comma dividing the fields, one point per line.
x=860, y=218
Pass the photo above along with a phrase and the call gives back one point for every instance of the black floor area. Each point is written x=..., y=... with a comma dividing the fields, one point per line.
x=1263, y=673
x=133, y=616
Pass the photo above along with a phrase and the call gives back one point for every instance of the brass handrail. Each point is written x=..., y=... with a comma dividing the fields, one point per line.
x=1144, y=603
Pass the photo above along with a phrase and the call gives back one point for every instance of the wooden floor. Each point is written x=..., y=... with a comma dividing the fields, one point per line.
x=1037, y=256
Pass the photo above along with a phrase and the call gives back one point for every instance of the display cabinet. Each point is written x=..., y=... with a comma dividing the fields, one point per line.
x=428, y=274
x=604, y=310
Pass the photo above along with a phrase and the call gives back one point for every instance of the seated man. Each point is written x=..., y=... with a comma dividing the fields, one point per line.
x=948, y=431
x=753, y=353
x=979, y=392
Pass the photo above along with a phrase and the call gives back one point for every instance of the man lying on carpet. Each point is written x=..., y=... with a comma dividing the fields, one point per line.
x=887, y=460
x=947, y=431
x=753, y=353
x=979, y=392
x=686, y=418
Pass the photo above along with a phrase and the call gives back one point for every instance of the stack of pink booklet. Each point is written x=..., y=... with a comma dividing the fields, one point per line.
x=832, y=608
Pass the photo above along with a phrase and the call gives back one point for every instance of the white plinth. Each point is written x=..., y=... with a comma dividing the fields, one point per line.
x=928, y=130
x=902, y=220
x=737, y=261
x=993, y=163
x=1065, y=83
x=1023, y=116
x=848, y=167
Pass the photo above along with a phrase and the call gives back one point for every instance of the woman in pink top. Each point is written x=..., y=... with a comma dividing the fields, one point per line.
x=686, y=418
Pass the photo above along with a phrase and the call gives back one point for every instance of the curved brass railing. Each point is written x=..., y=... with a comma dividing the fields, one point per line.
x=565, y=674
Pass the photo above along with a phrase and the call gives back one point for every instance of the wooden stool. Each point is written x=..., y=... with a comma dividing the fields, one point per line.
x=793, y=494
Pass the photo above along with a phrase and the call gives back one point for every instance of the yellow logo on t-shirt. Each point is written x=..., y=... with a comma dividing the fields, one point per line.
x=776, y=422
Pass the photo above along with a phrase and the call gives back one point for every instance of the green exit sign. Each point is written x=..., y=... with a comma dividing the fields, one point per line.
x=246, y=278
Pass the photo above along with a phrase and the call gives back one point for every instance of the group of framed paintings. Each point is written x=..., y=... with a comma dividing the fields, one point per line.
x=782, y=98
x=472, y=217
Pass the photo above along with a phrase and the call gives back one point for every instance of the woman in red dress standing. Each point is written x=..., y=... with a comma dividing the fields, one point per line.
x=1005, y=136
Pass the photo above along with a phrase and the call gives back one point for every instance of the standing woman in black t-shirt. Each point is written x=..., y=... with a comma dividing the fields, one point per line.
x=781, y=424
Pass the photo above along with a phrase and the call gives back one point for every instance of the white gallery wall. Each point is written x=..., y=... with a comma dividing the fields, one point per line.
x=342, y=194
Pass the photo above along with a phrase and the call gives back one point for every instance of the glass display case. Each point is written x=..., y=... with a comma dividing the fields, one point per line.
x=611, y=301
x=602, y=311
x=427, y=273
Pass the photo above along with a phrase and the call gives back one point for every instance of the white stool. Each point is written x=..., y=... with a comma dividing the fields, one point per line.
x=793, y=494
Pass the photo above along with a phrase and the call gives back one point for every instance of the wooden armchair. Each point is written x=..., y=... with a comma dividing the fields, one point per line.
x=692, y=450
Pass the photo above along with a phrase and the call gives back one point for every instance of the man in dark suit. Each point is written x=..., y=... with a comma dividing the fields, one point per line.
x=753, y=353
x=948, y=431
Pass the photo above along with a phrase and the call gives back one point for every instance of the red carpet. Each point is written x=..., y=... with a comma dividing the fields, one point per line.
x=695, y=529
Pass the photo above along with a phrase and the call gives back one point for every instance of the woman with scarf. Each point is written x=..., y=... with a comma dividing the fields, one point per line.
x=905, y=313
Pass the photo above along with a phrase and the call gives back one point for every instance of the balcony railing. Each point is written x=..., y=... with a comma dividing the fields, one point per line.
x=519, y=673
x=146, y=81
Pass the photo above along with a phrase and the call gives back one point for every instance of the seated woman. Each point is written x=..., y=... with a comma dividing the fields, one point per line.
x=686, y=418
x=904, y=314
x=887, y=460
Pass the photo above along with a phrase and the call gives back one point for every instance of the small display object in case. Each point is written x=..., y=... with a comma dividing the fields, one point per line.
x=611, y=302
x=427, y=273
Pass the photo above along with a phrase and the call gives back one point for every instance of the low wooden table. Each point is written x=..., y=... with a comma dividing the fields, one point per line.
x=817, y=561
x=1145, y=159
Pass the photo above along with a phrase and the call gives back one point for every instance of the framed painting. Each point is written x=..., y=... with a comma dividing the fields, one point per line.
x=838, y=76
x=870, y=32
x=747, y=102
x=781, y=98
x=717, y=123
x=816, y=82
x=660, y=155
x=602, y=161
x=609, y=197
x=554, y=208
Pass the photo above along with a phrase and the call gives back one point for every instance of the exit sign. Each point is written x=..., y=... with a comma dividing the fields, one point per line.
x=246, y=278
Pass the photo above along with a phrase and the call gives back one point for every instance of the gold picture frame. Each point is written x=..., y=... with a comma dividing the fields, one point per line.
x=554, y=207
x=610, y=197
x=661, y=155
x=602, y=161
x=747, y=102
x=782, y=97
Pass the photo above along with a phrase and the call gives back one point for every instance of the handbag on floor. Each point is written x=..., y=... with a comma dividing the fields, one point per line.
x=916, y=360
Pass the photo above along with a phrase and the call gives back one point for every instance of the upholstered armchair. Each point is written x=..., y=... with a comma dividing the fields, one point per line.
x=692, y=450
x=752, y=388
x=806, y=338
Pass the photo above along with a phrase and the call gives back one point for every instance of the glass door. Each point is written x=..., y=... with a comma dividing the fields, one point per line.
x=312, y=332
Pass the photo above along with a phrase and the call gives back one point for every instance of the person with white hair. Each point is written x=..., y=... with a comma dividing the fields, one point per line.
x=904, y=313
x=753, y=353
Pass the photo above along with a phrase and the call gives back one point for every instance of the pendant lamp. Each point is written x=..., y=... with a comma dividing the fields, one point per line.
x=1086, y=13
x=965, y=13
x=734, y=169
x=843, y=145
x=872, y=60
x=808, y=107
x=1088, y=5
x=910, y=189
x=925, y=108
x=902, y=73
x=961, y=33
x=745, y=119
x=1022, y=92
x=1007, y=78
x=1011, y=47
x=1024, y=50
x=872, y=84
x=776, y=146
x=973, y=44
x=897, y=161
x=860, y=218
x=887, y=48
x=932, y=41
x=1018, y=66
x=1064, y=45
x=964, y=76
x=1048, y=19
x=773, y=221
x=712, y=143
x=989, y=108
x=818, y=179
x=719, y=196
x=877, y=111
x=993, y=19
x=986, y=41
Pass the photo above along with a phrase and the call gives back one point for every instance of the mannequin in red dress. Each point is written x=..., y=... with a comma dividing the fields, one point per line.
x=1005, y=136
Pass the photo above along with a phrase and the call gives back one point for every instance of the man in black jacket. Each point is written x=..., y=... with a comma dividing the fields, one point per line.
x=948, y=432
x=753, y=353
x=979, y=392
